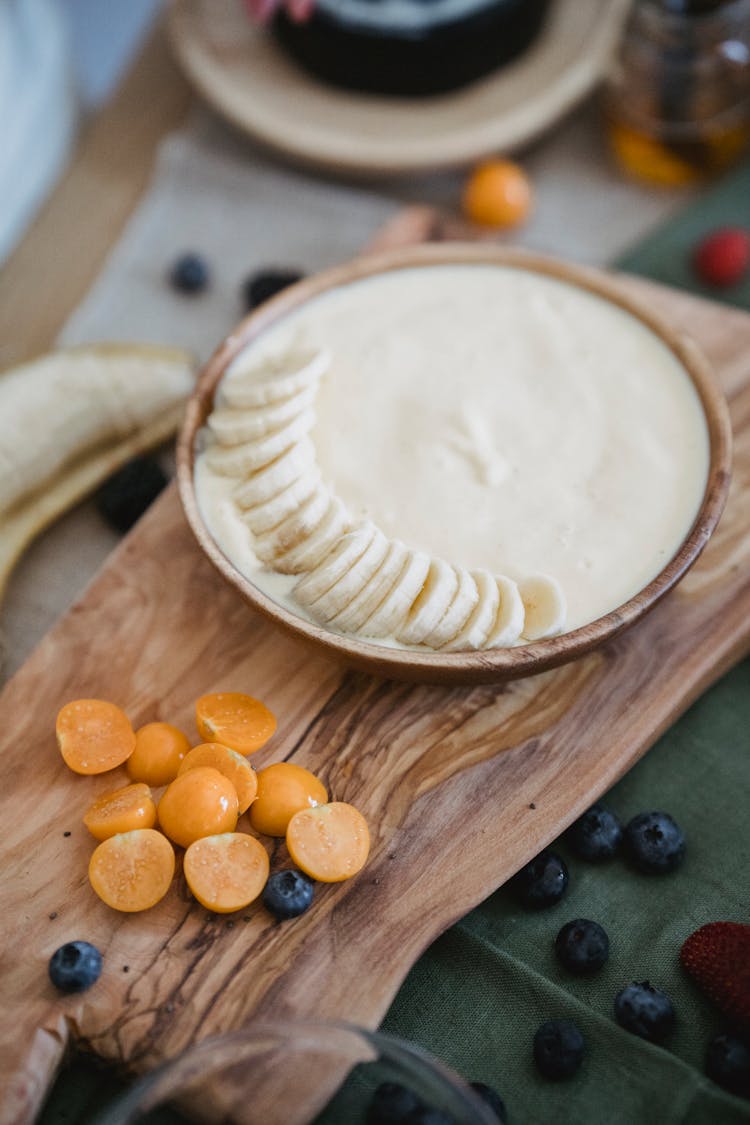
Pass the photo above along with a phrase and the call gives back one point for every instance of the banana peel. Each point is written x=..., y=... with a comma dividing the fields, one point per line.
x=151, y=385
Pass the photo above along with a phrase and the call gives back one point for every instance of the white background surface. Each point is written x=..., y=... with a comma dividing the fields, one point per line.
x=103, y=36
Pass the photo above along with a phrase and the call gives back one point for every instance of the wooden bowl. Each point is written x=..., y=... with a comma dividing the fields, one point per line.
x=491, y=664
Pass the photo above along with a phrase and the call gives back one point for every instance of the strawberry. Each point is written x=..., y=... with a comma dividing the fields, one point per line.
x=717, y=956
x=723, y=257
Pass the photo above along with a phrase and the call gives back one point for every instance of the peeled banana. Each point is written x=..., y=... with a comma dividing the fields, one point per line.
x=311, y=551
x=388, y=618
x=350, y=576
x=338, y=597
x=371, y=594
x=476, y=629
x=70, y=418
x=543, y=605
x=275, y=381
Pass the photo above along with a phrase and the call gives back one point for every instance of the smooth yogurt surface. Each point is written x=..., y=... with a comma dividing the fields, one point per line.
x=496, y=418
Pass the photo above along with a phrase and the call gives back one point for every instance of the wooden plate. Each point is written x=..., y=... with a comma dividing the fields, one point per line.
x=239, y=69
x=492, y=664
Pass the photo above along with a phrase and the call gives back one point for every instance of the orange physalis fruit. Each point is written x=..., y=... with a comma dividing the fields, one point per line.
x=159, y=749
x=498, y=194
x=283, y=789
x=132, y=871
x=329, y=843
x=229, y=763
x=235, y=720
x=200, y=802
x=121, y=810
x=94, y=736
x=226, y=872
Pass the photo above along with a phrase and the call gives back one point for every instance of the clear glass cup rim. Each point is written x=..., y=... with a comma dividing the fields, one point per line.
x=166, y=1080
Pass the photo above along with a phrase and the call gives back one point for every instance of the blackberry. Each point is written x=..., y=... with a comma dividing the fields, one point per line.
x=264, y=284
x=128, y=493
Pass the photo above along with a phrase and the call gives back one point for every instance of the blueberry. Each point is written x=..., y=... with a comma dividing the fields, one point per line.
x=189, y=274
x=261, y=286
x=493, y=1100
x=728, y=1063
x=596, y=835
x=541, y=882
x=654, y=843
x=426, y=1116
x=75, y=966
x=582, y=946
x=288, y=894
x=392, y=1104
x=646, y=1011
x=123, y=499
x=558, y=1049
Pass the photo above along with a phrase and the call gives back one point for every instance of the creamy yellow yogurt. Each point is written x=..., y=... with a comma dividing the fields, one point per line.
x=496, y=418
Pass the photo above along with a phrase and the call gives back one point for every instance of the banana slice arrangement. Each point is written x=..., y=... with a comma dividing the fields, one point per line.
x=352, y=577
x=70, y=418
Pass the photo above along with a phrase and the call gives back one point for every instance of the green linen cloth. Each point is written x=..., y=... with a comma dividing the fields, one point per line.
x=666, y=254
x=479, y=993
x=476, y=997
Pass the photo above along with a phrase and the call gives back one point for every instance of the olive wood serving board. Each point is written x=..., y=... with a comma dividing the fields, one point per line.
x=461, y=786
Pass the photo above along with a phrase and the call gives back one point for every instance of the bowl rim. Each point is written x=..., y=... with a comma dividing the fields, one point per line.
x=468, y=666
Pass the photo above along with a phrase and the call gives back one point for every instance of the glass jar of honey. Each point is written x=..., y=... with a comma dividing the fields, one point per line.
x=677, y=102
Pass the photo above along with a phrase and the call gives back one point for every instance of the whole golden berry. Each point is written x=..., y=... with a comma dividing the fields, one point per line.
x=498, y=194
x=159, y=750
x=200, y=802
x=283, y=789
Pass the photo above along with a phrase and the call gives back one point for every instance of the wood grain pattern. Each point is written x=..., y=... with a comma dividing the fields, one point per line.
x=158, y=627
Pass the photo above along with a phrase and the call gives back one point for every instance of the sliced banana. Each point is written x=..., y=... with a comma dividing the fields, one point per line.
x=270, y=514
x=311, y=551
x=362, y=606
x=390, y=615
x=544, y=607
x=477, y=629
x=275, y=380
x=353, y=577
x=295, y=529
x=336, y=563
x=457, y=613
x=269, y=481
x=510, y=615
x=430, y=604
x=233, y=425
x=243, y=460
x=341, y=594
